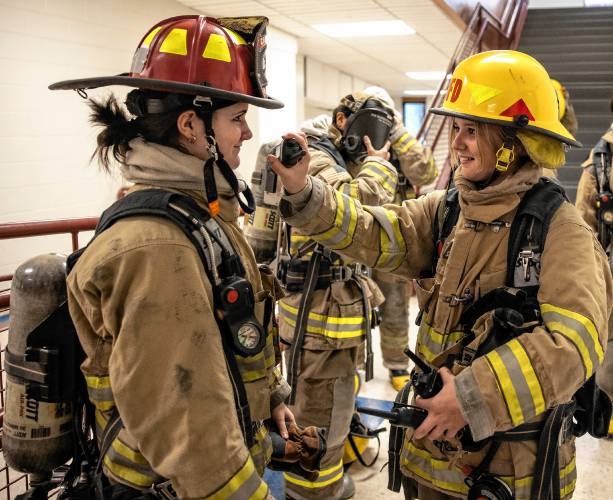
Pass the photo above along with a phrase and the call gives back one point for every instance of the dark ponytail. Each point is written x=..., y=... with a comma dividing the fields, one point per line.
x=119, y=129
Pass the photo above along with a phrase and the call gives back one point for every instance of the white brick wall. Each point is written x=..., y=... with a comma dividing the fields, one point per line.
x=45, y=140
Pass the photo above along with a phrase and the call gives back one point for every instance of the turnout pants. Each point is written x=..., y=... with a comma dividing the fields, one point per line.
x=325, y=398
x=394, y=327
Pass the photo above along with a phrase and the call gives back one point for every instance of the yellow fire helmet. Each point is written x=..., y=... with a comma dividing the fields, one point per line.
x=561, y=97
x=507, y=88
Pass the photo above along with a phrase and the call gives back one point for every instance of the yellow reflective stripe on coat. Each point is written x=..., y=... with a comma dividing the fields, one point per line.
x=430, y=342
x=568, y=480
x=403, y=144
x=128, y=473
x=381, y=174
x=351, y=189
x=340, y=235
x=421, y=463
x=392, y=246
x=326, y=477
x=100, y=393
x=517, y=381
x=579, y=330
x=329, y=326
x=246, y=483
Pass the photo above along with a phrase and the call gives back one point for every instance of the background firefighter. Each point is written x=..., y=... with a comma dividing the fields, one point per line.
x=415, y=166
x=142, y=301
x=505, y=129
x=595, y=182
x=335, y=318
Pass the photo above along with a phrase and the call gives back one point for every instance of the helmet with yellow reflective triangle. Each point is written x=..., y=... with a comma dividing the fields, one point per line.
x=196, y=55
x=507, y=88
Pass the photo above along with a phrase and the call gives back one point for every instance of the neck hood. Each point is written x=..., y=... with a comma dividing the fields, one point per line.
x=166, y=167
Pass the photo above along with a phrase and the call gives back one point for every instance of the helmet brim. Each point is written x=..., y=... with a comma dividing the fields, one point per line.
x=563, y=136
x=165, y=86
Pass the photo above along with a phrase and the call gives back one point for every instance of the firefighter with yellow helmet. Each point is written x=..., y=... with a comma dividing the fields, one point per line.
x=497, y=323
x=180, y=361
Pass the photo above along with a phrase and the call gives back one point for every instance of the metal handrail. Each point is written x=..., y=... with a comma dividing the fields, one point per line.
x=482, y=22
x=42, y=228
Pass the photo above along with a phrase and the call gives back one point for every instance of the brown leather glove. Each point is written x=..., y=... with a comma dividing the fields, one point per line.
x=301, y=453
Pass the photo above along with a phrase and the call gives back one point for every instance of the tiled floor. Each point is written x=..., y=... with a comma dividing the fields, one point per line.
x=594, y=457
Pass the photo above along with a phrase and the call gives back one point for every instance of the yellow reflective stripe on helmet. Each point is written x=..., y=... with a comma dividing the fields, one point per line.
x=217, y=48
x=517, y=381
x=246, y=483
x=326, y=477
x=149, y=38
x=579, y=330
x=381, y=174
x=328, y=326
x=482, y=93
x=175, y=42
x=392, y=246
x=340, y=235
x=236, y=38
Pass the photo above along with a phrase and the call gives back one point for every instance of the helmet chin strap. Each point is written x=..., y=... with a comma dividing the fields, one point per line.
x=506, y=153
x=205, y=112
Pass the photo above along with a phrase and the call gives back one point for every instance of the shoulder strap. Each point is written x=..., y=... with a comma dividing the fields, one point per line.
x=325, y=144
x=199, y=227
x=446, y=218
x=529, y=231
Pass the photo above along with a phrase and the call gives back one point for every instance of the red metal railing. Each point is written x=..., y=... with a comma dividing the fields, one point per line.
x=484, y=31
x=12, y=482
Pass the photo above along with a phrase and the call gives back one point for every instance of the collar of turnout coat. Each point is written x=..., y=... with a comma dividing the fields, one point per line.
x=499, y=200
x=160, y=166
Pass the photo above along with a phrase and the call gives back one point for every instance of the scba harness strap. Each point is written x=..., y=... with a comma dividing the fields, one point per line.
x=223, y=268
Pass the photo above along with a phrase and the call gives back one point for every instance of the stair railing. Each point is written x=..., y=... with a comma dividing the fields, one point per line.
x=484, y=31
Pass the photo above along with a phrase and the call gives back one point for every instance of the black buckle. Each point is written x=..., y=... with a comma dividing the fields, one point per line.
x=340, y=273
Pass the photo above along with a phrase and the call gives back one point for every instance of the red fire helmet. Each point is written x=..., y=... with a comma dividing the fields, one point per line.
x=197, y=55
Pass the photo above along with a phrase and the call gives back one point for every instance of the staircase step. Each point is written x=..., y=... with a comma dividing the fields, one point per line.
x=568, y=77
x=570, y=38
x=576, y=156
x=593, y=121
x=580, y=12
x=563, y=66
x=596, y=105
x=533, y=29
x=597, y=92
x=569, y=50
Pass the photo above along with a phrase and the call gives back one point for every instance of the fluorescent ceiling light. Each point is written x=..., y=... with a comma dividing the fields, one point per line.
x=364, y=29
x=423, y=92
x=426, y=75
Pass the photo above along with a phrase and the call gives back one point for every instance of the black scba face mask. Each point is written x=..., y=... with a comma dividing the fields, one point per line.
x=371, y=120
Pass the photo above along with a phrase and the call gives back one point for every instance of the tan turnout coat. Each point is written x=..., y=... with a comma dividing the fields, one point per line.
x=518, y=381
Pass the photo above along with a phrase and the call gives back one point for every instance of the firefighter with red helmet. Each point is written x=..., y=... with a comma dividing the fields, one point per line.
x=191, y=392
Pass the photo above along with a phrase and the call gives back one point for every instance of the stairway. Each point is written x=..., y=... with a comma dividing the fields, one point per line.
x=576, y=48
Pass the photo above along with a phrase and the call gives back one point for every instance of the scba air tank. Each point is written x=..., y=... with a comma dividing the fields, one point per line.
x=37, y=435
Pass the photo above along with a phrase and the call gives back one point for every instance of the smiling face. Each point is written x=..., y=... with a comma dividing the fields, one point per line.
x=475, y=153
x=231, y=129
